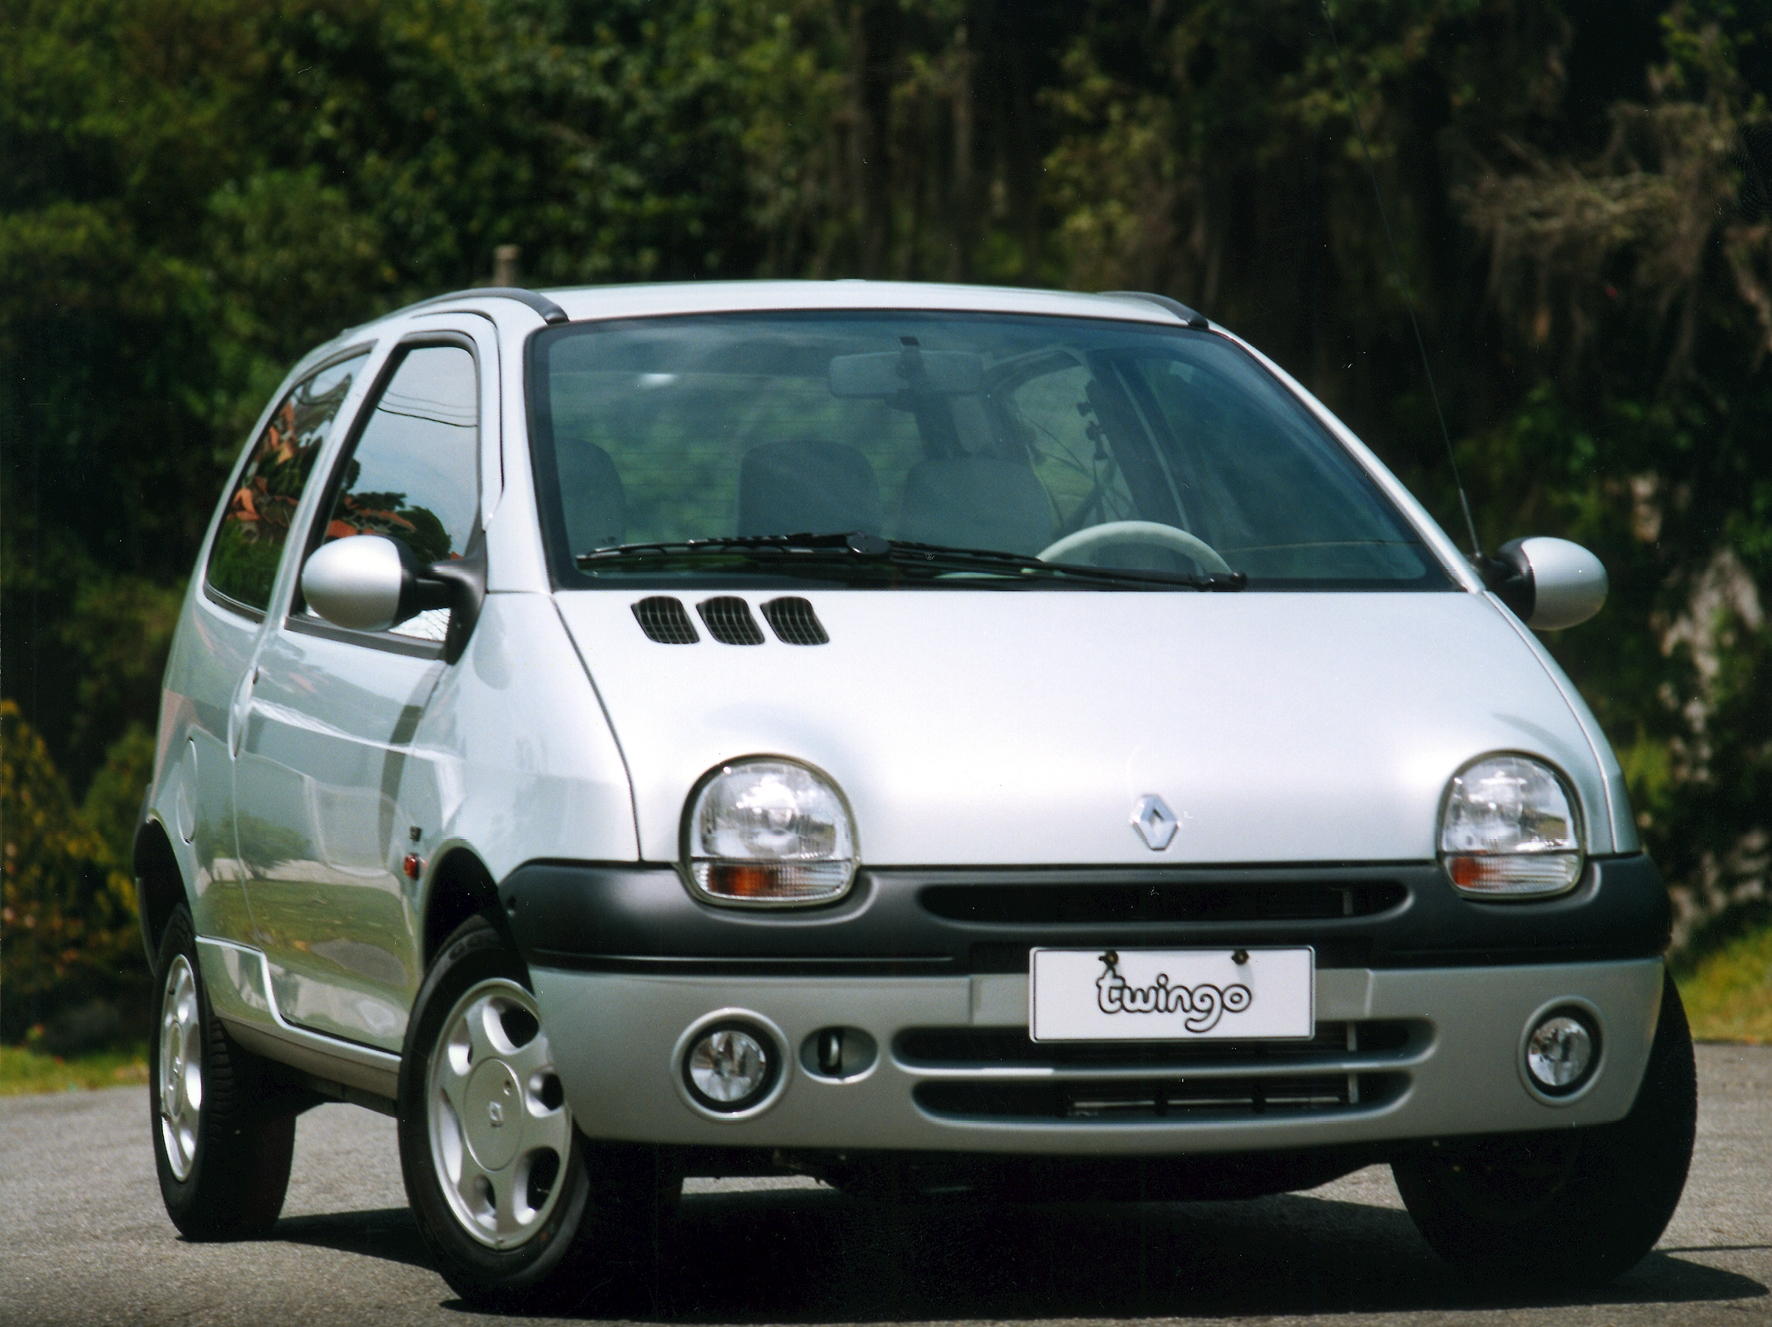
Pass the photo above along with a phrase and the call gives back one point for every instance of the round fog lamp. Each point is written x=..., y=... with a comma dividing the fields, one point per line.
x=1561, y=1052
x=730, y=1068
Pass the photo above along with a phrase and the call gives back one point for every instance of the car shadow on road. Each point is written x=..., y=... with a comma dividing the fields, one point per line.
x=390, y=1233
x=805, y=1256
x=801, y=1256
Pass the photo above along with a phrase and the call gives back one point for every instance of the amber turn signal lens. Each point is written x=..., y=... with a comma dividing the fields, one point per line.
x=738, y=880
x=1514, y=875
x=1466, y=871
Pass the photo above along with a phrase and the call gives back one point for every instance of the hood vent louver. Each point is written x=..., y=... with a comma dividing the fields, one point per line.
x=729, y=620
x=666, y=621
x=794, y=622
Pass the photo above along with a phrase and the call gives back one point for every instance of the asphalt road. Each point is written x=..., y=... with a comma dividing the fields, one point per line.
x=83, y=1240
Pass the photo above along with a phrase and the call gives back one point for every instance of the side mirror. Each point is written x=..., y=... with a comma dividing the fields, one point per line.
x=371, y=583
x=1549, y=583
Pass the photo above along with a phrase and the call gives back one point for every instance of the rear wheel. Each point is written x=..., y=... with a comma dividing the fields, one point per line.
x=224, y=1131
x=1576, y=1206
x=520, y=1211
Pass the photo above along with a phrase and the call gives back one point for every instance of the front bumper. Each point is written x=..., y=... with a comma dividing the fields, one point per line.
x=1422, y=1003
x=953, y=1073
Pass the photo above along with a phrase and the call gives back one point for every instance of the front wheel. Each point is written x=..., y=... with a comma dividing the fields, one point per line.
x=1576, y=1206
x=519, y=1210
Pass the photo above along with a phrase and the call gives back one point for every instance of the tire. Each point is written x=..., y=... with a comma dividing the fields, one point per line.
x=1573, y=1207
x=224, y=1130
x=520, y=1211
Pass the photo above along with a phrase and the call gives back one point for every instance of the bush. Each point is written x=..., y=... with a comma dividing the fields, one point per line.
x=69, y=936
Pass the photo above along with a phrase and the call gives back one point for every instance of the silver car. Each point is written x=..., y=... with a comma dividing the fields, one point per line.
x=926, y=738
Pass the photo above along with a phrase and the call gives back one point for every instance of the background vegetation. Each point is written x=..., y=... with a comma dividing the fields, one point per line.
x=193, y=192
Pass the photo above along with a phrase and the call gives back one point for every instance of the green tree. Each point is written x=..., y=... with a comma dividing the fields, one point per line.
x=197, y=191
x=68, y=929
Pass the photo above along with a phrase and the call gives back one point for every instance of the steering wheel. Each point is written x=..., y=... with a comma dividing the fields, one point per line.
x=1148, y=533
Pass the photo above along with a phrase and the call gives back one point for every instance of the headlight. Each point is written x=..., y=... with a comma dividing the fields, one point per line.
x=1510, y=830
x=769, y=832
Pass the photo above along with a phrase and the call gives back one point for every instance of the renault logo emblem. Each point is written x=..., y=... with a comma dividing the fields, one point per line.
x=1155, y=822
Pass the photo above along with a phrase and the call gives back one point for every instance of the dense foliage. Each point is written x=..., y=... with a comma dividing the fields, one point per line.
x=68, y=931
x=195, y=191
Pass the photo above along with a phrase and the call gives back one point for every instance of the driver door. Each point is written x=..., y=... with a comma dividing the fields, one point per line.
x=335, y=808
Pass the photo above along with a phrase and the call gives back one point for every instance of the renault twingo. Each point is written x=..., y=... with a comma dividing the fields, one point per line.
x=922, y=737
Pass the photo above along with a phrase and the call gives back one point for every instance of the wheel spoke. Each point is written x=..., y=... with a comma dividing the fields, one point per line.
x=548, y=1129
x=480, y=1043
x=478, y=1192
x=450, y=1081
x=534, y=1058
x=509, y=1223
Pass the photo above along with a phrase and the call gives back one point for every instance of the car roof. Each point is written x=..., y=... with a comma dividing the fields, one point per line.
x=753, y=296
x=587, y=303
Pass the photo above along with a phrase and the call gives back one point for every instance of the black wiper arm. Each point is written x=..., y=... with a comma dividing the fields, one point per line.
x=864, y=545
x=872, y=547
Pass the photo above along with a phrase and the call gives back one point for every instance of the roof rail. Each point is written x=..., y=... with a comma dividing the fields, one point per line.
x=1188, y=317
x=550, y=312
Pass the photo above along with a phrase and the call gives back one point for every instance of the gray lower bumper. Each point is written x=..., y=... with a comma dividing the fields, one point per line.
x=616, y=1037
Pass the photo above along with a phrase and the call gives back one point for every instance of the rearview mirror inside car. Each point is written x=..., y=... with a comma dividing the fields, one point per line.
x=911, y=370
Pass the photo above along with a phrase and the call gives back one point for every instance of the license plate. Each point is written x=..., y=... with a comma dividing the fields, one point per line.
x=1171, y=994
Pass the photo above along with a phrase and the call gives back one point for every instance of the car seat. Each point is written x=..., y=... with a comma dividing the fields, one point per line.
x=808, y=488
x=976, y=502
x=592, y=495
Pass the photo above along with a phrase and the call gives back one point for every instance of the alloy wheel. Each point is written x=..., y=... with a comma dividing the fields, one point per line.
x=181, y=1067
x=499, y=1127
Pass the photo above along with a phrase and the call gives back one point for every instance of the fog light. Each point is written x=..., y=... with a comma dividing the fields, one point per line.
x=731, y=1067
x=1561, y=1052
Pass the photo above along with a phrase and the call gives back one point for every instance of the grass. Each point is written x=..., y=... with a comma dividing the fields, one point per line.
x=1728, y=994
x=24, y=1071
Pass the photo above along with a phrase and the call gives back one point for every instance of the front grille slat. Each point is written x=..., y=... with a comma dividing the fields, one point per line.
x=729, y=620
x=665, y=621
x=1007, y=1050
x=1072, y=903
x=1161, y=1098
x=999, y=1073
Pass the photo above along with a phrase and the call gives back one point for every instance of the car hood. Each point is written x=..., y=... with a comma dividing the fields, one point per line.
x=1022, y=727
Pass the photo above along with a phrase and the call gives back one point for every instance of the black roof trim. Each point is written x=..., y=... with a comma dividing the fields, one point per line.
x=550, y=312
x=1175, y=306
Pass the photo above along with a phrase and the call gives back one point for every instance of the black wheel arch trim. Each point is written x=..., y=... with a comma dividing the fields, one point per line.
x=159, y=882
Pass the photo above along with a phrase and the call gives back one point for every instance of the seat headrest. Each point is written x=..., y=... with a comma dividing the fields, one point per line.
x=808, y=488
x=591, y=492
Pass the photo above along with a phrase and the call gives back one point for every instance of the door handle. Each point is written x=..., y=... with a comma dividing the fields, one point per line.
x=239, y=711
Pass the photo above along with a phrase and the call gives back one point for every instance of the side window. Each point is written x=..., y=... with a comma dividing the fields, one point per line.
x=249, y=545
x=414, y=473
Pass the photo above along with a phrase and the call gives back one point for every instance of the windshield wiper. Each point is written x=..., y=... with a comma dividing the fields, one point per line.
x=906, y=553
x=865, y=545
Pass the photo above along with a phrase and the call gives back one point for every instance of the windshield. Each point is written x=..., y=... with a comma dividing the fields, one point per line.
x=1073, y=443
